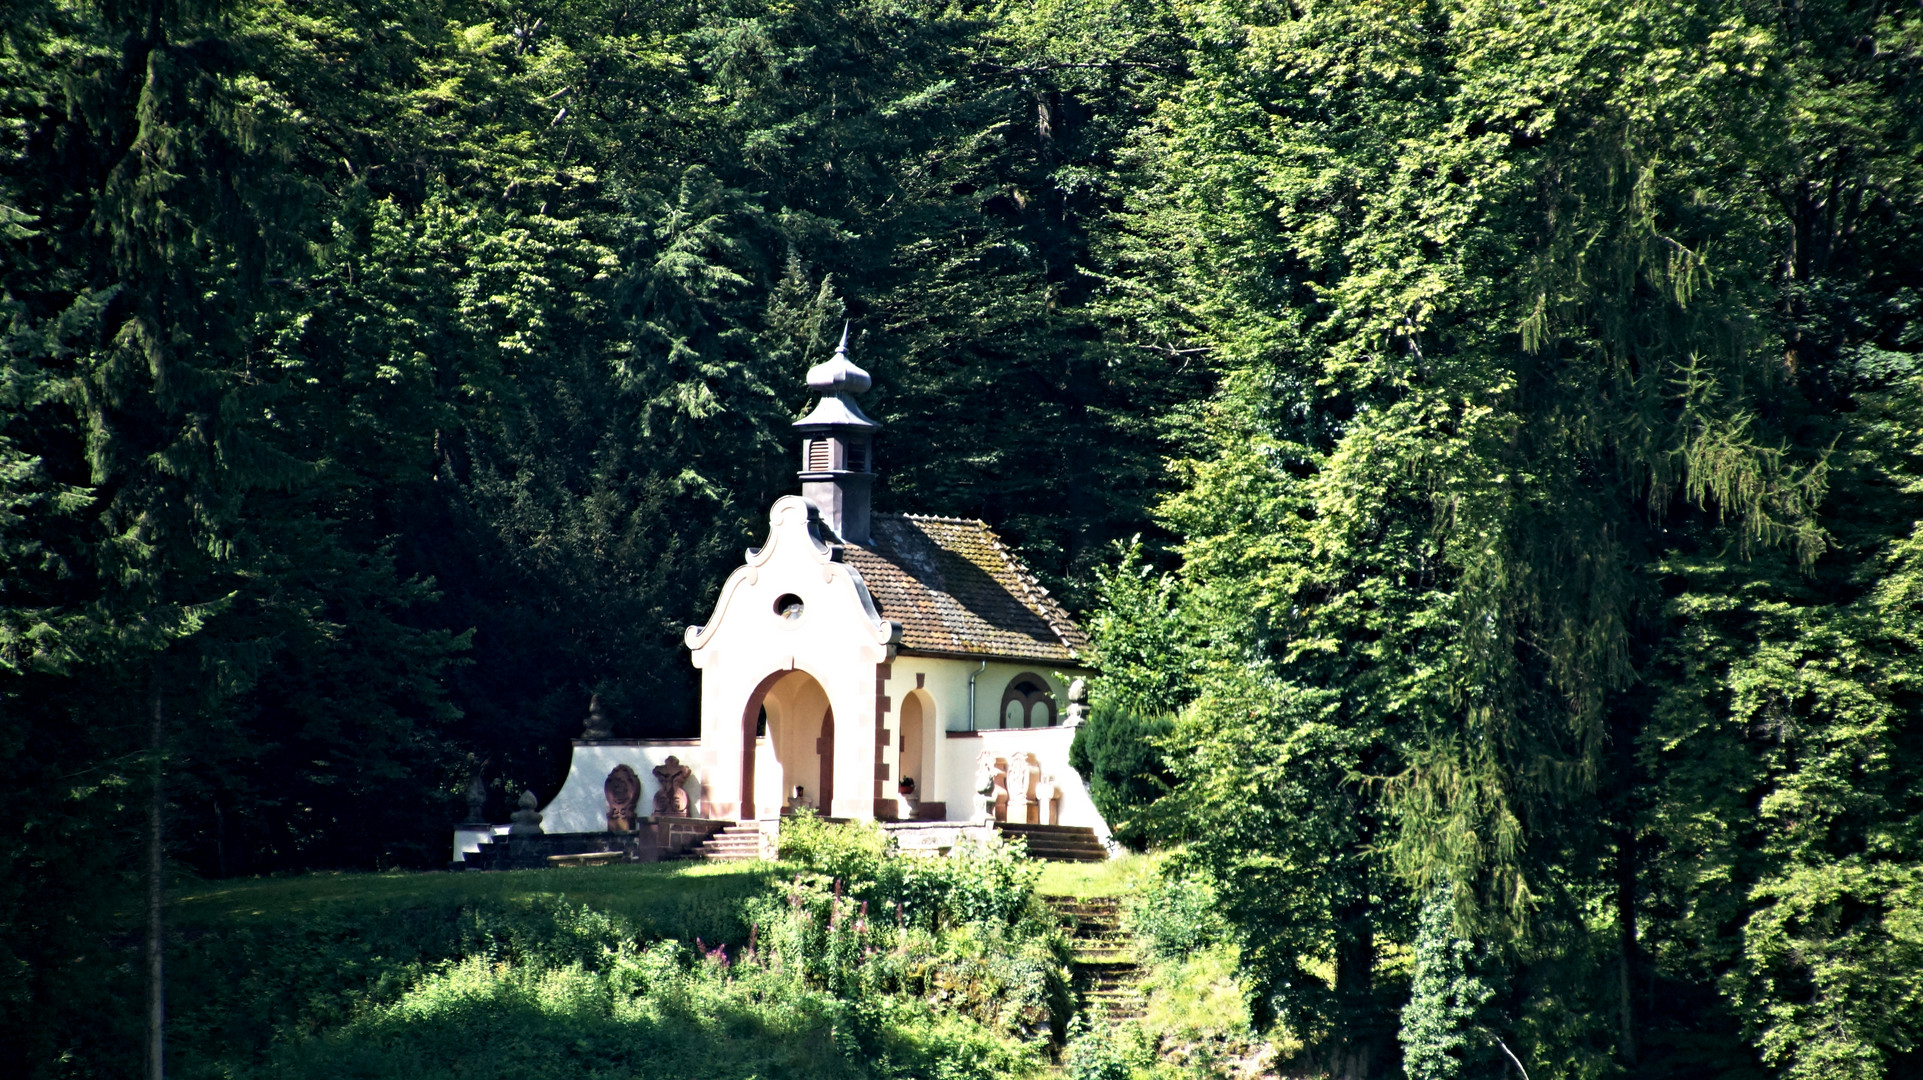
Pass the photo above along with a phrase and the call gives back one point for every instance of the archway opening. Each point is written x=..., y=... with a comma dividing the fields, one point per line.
x=789, y=747
x=916, y=747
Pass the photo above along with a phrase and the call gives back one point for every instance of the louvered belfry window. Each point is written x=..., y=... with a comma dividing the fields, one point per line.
x=820, y=455
x=857, y=457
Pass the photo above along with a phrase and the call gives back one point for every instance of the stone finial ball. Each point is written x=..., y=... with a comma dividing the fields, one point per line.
x=529, y=800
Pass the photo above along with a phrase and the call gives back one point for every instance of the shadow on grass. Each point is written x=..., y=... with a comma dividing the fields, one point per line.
x=660, y=899
x=255, y=964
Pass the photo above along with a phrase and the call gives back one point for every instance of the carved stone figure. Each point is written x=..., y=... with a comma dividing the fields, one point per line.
x=477, y=796
x=597, y=726
x=991, y=794
x=671, y=800
x=623, y=792
x=1048, y=796
x=1022, y=770
x=1077, y=703
x=527, y=820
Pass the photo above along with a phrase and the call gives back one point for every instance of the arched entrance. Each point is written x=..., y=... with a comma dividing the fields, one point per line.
x=916, y=751
x=794, y=746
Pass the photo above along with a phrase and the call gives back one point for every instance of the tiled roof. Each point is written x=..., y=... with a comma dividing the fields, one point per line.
x=955, y=589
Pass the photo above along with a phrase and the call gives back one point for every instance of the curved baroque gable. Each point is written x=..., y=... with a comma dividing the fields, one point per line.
x=796, y=561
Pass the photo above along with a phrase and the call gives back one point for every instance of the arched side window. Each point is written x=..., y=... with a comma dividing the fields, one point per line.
x=1028, y=702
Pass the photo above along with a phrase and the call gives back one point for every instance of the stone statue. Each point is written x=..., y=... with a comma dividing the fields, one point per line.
x=991, y=780
x=623, y=792
x=988, y=780
x=1022, y=770
x=477, y=796
x=1048, y=795
x=1077, y=702
x=527, y=820
x=671, y=800
x=597, y=726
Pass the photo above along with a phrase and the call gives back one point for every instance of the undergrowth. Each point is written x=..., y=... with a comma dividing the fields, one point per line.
x=846, y=961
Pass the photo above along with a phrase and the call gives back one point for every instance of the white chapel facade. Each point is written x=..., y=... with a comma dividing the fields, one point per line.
x=868, y=666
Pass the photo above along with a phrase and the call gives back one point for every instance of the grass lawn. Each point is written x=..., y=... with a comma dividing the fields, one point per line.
x=682, y=900
x=648, y=893
x=1116, y=877
x=666, y=898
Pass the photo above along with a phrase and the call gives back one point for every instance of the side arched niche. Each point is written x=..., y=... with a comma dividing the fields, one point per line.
x=915, y=746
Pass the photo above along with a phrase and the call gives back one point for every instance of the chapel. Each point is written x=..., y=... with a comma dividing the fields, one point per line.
x=897, y=667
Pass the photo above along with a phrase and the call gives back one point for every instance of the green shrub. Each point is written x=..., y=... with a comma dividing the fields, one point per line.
x=855, y=851
x=1001, y=965
x=1177, y=916
x=659, y=1011
x=1118, y=753
x=1100, y=1050
x=975, y=883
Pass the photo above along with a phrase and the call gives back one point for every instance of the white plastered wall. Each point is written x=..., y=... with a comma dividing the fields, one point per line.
x=582, y=804
x=747, y=648
x=943, y=682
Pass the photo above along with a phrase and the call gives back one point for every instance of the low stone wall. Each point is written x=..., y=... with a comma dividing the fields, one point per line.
x=581, y=805
x=936, y=837
x=653, y=839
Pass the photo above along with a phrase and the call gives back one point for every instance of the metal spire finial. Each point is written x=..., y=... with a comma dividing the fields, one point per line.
x=839, y=375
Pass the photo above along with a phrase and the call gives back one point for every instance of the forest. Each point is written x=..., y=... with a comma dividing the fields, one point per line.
x=1483, y=440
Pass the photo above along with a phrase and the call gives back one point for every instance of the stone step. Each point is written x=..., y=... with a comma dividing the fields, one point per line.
x=588, y=858
x=1092, y=927
x=735, y=843
x=1057, y=843
x=1088, y=911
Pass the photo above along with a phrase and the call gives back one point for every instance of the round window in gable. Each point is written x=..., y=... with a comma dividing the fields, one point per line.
x=788, y=606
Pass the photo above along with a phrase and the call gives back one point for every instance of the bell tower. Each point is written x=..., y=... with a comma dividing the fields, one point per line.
x=837, y=446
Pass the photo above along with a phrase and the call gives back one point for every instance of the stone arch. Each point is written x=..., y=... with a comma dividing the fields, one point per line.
x=915, y=747
x=800, y=740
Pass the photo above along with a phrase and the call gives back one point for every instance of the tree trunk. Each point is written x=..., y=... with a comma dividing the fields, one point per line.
x=1626, y=942
x=156, y=984
x=1355, y=1056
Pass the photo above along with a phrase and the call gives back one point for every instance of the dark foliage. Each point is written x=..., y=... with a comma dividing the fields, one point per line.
x=1119, y=754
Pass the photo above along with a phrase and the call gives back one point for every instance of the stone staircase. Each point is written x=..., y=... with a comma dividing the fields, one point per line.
x=653, y=840
x=1104, y=970
x=736, y=843
x=1058, y=843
